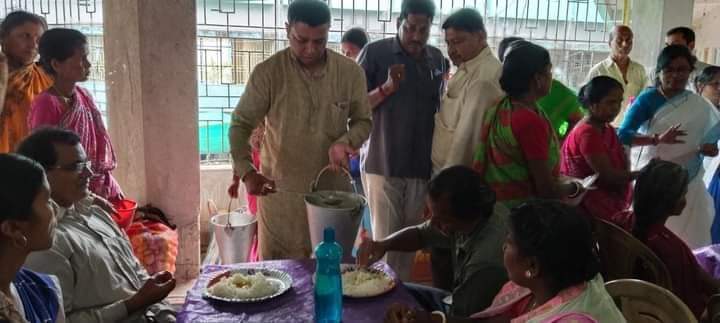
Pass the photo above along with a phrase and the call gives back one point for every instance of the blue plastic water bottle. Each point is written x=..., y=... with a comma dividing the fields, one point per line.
x=328, y=282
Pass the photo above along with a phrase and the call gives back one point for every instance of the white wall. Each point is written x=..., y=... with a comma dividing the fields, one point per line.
x=650, y=31
x=706, y=22
x=676, y=13
x=152, y=102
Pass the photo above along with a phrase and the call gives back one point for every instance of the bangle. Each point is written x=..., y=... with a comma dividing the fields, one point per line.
x=655, y=139
x=380, y=89
x=577, y=190
x=441, y=314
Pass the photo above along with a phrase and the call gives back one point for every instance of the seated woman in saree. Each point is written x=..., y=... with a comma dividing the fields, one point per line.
x=19, y=34
x=592, y=147
x=660, y=194
x=561, y=105
x=654, y=122
x=707, y=84
x=63, y=53
x=550, y=258
x=519, y=154
x=27, y=224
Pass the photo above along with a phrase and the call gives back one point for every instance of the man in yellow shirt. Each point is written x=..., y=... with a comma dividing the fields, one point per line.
x=631, y=74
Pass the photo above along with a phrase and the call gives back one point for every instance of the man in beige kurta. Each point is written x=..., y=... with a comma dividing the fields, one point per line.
x=470, y=92
x=316, y=112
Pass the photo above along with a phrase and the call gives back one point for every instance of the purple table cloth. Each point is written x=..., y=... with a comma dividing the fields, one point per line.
x=296, y=305
x=709, y=259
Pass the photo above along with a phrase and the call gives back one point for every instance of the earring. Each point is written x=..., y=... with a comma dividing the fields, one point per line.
x=23, y=242
x=528, y=274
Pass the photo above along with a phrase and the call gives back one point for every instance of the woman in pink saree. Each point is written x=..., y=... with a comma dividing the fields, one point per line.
x=550, y=258
x=63, y=53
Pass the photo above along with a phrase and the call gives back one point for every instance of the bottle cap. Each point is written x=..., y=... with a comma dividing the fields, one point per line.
x=329, y=234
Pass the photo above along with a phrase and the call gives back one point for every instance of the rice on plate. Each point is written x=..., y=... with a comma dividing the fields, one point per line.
x=358, y=282
x=242, y=286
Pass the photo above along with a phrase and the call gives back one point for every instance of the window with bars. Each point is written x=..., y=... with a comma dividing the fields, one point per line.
x=575, y=32
x=83, y=15
x=236, y=35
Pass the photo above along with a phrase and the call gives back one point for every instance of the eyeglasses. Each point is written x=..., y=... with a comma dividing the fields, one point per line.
x=75, y=167
x=715, y=84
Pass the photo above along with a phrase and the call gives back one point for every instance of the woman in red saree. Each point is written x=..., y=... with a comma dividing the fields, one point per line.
x=19, y=34
x=63, y=53
x=593, y=147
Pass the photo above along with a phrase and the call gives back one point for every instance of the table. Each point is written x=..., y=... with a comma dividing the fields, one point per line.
x=296, y=305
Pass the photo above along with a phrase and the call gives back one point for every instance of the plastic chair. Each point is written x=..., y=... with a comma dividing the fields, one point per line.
x=624, y=256
x=643, y=302
x=713, y=308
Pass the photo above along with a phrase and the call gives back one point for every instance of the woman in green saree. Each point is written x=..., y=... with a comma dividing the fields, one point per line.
x=519, y=152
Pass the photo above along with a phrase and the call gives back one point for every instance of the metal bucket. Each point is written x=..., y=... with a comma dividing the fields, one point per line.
x=234, y=233
x=344, y=216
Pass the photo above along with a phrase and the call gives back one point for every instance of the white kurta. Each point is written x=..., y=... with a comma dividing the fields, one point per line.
x=473, y=89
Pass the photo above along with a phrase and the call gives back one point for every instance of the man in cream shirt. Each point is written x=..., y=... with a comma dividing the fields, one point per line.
x=100, y=278
x=618, y=65
x=474, y=87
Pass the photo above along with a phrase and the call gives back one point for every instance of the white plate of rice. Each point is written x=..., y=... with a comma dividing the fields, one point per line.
x=248, y=285
x=365, y=282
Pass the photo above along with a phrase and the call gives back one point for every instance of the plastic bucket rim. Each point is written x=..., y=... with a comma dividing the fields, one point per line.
x=214, y=222
x=363, y=201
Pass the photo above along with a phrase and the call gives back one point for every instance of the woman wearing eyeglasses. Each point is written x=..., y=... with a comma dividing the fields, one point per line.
x=670, y=123
x=707, y=84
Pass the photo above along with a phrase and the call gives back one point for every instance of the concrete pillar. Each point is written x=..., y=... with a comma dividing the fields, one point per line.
x=151, y=75
x=650, y=19
x=647, y=42
x=677, y=13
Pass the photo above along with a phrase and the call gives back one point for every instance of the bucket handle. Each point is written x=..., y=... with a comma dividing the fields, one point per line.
x=228, y=225
x=314, y=185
